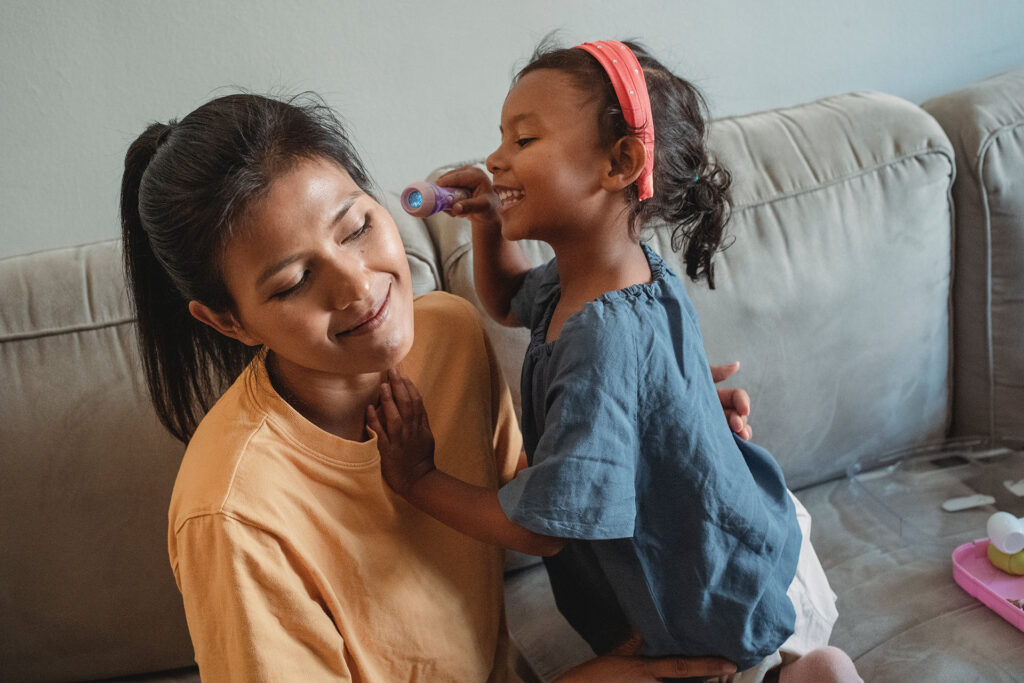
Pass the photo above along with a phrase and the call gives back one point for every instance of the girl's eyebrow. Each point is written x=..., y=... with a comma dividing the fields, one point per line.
x=343, y=208
x=517, y=118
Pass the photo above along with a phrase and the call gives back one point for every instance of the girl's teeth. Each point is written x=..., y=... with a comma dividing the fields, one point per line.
x=509, y=196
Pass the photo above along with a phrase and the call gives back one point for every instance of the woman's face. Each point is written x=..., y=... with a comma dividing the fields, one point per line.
x=318, y=274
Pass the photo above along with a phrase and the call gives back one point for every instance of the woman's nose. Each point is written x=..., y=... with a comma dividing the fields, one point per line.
x=350, y=281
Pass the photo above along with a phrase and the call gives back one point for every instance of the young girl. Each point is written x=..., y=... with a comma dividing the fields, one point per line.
x=258, y=258
x=659, y=525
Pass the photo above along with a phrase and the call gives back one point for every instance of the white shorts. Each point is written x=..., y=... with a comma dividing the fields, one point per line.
x=814, y=603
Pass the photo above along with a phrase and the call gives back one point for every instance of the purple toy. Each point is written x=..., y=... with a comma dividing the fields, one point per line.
x=426, y=199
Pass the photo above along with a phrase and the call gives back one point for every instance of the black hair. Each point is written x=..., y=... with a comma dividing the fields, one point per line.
x=691, y=189
x=185, y=191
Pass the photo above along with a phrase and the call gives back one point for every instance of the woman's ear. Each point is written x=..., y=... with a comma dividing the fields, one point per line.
x=222, y=321
x=628, y=156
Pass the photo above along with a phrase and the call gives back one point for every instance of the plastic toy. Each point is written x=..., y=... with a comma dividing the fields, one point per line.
x=1001, y=592
x=425, y=199
x=1006, y=532
x=1006, y=542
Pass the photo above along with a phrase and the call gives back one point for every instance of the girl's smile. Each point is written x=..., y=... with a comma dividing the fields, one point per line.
x=507, y=195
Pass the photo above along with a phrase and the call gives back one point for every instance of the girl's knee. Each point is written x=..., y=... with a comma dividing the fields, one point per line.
x=825, y=664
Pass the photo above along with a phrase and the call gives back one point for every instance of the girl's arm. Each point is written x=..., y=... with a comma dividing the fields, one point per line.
x=407, y=462
x=499, y=265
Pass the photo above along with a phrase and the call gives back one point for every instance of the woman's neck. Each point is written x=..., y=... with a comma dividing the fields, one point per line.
x=334, y=403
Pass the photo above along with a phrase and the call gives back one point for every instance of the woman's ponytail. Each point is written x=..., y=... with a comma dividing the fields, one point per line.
x=172, y=343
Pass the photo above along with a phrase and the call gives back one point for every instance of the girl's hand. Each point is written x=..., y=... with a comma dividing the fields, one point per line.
x=735, y=402
x=404, y=439
x=482, y=208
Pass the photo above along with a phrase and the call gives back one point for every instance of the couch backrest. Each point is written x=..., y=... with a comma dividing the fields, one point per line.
x=835, y=294
x=985, y=123
x=86, y=589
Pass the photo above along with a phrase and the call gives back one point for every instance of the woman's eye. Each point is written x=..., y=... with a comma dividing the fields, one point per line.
x=363, y=229
x=285, y=293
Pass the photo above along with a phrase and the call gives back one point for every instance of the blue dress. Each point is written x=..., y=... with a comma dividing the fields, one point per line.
x=677, y=528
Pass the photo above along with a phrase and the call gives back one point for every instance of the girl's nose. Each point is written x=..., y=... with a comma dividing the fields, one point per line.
x=495, y=161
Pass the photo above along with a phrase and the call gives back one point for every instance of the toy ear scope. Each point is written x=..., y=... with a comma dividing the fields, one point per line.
x=426, y=199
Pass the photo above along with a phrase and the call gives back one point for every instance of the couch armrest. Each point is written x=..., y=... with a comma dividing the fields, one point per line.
x=985, y=123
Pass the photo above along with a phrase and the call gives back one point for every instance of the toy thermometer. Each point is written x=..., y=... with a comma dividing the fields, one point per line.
x=425, y=199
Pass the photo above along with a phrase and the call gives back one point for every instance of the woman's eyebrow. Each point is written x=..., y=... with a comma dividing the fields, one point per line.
x=343, y=208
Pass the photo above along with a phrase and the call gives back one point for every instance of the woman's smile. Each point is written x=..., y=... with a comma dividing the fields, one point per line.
x=373, y=319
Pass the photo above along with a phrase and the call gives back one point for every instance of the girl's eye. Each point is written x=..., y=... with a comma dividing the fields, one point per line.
x=284, y=294
x=523, y=142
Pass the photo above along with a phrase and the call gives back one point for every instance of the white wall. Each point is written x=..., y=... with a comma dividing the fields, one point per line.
x=420, y=82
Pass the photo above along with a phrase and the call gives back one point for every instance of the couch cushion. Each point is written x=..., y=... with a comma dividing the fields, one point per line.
x=985, y=123
x=87, y=589
x=835, y=293
x=88, y=470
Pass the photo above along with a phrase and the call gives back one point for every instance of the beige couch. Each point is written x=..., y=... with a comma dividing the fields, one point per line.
x=865, y=322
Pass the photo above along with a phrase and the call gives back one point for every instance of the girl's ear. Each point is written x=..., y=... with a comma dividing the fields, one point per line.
x=628, y=156
x=224, y=322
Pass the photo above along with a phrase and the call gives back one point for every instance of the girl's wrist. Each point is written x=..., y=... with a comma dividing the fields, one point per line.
x=417, y=493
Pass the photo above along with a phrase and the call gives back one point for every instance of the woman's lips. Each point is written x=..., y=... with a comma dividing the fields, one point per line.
x=375, y=319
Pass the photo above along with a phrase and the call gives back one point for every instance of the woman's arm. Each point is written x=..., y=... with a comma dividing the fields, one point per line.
x=499, y=265
x=250, y=614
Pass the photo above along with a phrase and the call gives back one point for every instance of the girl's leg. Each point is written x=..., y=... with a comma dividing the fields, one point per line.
x=824, y=665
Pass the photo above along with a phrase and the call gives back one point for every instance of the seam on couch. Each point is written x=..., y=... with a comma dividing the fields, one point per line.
x=429, y=263
x=923, y=152
x=984, y=148
x=454, y=258
x=40, y=334
x=458, y=253
x=68, y=247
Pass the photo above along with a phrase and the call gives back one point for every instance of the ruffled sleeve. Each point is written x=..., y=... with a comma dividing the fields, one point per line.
x=581, y=483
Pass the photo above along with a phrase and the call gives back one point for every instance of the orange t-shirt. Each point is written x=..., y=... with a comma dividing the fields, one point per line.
x=295, y=560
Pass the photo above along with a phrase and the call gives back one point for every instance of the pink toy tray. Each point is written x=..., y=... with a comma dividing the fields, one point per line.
x=994, y=587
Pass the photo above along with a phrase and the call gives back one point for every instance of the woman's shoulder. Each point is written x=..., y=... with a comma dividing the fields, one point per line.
x=441, y=303
x=214, y=456
x=443, y=314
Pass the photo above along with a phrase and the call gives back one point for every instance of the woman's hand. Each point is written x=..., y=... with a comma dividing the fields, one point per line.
x=404, y=439
x=735, y=402
x=616, y=668
x=482, y=208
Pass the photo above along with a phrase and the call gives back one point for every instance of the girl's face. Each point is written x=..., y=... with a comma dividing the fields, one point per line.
x=548, y=169
x=320, y=277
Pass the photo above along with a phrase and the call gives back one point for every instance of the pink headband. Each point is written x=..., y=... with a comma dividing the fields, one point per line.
x=627, y=78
